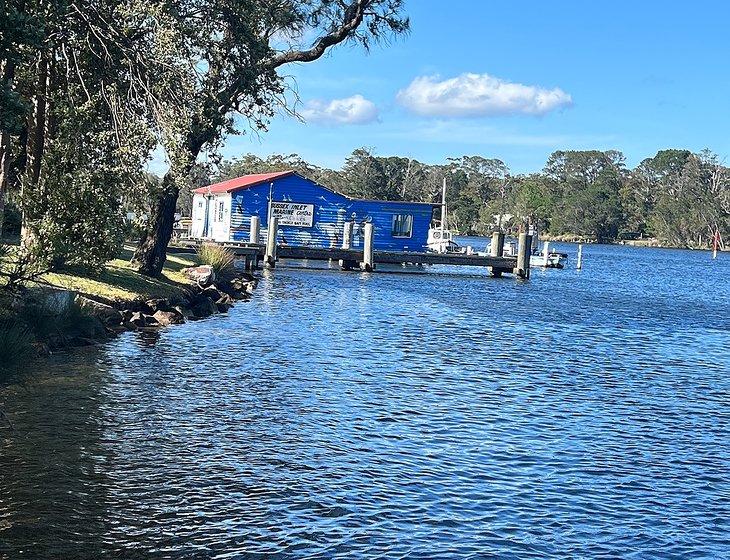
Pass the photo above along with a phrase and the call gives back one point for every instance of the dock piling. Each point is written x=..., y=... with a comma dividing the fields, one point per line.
x=545, y=250
x=255, y=230
x=496, y=250
x=368, y=255
x=524, y=248
x=347, y=244
x=580, y=256
x=271, y=242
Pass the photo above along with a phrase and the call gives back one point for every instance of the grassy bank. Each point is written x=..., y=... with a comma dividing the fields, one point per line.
x=119, y=281
x=47, y=317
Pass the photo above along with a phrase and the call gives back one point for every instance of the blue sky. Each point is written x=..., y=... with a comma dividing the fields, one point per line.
x=516, y=81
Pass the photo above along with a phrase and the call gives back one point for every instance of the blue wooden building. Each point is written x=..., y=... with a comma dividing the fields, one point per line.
x=309, y=214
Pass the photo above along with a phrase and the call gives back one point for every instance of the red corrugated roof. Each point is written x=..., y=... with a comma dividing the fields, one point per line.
x=241, y=182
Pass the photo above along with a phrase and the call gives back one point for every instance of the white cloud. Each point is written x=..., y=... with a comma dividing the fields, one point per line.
x=470, y=95
x=350, y=110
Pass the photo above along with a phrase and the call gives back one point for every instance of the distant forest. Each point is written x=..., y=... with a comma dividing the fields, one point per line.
x=678, y=197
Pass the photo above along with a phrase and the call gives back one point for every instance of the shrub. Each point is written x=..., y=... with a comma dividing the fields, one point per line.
x=50, y=318
x=11, y=220
x=220, y=258
x=16, y=346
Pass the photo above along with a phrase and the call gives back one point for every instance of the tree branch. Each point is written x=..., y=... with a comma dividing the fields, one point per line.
x=353, y=17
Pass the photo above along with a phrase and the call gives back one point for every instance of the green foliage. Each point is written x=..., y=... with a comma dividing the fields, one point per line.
x=692, y=198
x=52, y=317
x=16, y=346
x=11, y=220
x=79, y=221
x=220, y=258
x=680, y=197
x=20, y=33
x=74, y=212
x=18, y=267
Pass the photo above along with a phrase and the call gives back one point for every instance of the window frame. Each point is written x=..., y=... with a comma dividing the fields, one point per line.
x=402, y=218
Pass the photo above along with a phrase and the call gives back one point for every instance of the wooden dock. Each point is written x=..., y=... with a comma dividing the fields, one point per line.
x=367, y=259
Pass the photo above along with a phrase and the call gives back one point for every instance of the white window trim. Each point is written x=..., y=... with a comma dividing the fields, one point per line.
x=392, y=226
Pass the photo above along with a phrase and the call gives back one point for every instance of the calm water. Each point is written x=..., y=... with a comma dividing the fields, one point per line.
x=431, y=415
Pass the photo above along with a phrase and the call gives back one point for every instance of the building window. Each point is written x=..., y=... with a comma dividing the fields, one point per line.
x=402, y=225
x=220, y=211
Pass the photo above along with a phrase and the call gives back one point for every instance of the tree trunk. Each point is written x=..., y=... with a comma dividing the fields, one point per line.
x=4, y=169
x=35, y=148
x=8, y=74
x=151, y=251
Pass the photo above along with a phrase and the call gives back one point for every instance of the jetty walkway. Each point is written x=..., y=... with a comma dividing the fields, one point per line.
x=253, y=253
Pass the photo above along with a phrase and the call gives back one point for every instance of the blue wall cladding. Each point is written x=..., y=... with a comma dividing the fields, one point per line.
x=331, y=209
x=380, y=214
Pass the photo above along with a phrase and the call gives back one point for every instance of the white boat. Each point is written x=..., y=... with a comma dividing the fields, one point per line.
x=538, y=258
x=440, y=239
x=554, y=260
x=545, y=257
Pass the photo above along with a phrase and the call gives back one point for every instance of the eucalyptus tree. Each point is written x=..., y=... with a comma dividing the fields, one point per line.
x=586, y=187
x=20, y=34
x=84, y=127
x=478, y=198
x=645, y=184
x=231, y=51
x=692, y=199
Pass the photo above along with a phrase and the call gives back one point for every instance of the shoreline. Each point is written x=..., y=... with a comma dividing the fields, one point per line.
x=67, y=311
x=647, y=242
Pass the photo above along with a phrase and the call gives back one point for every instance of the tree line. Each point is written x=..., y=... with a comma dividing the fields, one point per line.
x=89, y=89
x=679, y=197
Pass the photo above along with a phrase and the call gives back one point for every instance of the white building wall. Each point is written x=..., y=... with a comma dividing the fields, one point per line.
x=216, y=225
x=198, y=216
x=220, y=217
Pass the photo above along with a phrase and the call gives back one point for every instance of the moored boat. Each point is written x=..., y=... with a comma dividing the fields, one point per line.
x=440, y=238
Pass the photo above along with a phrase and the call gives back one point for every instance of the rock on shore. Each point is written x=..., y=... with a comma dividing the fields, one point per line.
x=202, y=299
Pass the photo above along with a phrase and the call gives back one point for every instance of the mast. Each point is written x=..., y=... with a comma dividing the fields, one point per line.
x=443, y=209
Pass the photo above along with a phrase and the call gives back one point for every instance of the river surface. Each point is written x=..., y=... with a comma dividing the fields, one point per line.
x=440, y=414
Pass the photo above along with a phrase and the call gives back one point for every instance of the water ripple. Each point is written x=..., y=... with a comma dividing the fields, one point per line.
x=432, y=415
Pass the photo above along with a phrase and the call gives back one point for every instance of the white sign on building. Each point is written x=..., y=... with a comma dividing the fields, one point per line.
x=293, y=213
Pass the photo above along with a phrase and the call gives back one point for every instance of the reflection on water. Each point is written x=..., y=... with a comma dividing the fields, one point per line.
x=441, y=414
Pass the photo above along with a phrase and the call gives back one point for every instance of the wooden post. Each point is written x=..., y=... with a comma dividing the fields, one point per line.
x=368, y=255
x=497, y=244
x=580, y=257
x=255, y=230
x=347, y=244
x=545, y=249
x=271, y=242
x=496, y=250
x=524, y=248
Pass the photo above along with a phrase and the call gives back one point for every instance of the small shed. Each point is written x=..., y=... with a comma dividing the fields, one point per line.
x=310, y=214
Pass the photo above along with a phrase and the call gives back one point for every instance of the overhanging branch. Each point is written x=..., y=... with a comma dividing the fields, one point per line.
x=353, y=17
